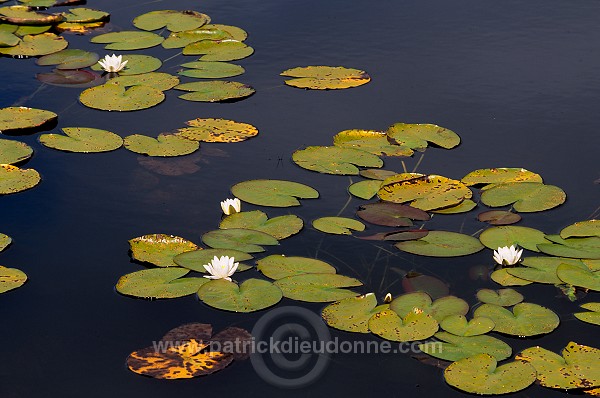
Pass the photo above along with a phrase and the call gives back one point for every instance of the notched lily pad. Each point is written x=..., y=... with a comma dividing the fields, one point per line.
x=36, y=45
x=20, y=117
x=23, y=15
x=335, y=160
x=157, y=80
x=14, y=179
x=442, y=244
x=275, y=193
x=174, y=21
x=217, y=130
x=526, y=319
x=82, y=140
x=455, y=348
x=211, y=70
x=128, y=40
x=215, y=91
x=592, y=316
x=365, y=189
x=279, y=227
x=280, y=266
x=509, y=235
x=136, y=64
x=492, y=177
x=438, y=309
x=317, y=288
x=352, y=314
x=69, y=59
x=502, y=297
x=245, y=240
x=375, y=142
x=85, y=15
x=159, y=249
x=581, y=229
x=416, y=136
x=416, y=325
x=499, y=217
x=159, y=283
x=117, y=97
x=252, y=295
x=338, y=225
x=325, y=77
x=524, y=196
x=459, y=326
x=163, y=145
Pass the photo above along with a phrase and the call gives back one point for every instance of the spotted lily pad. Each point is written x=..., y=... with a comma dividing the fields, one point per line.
x=182, y=39
x=20, y=117
x=459, y=326
x=325, y=77
x=416, y=325
x=365, y=189
x=391, y=214
x=455, y=348
x=463, y=207
x=5, y=240
x=175, y=21
x=82, y=140
x=495, y=176
x=217, y=130
x=442, y=244
x=164, y=145
x=251, y=295
x=509, y=235
x=117, y=97
x=69, y=59
x=158, y=80
x=211, y=70
x=11, y=278
x=524, y=196
x=317, y=288
x=14, y=151
x=196, y=259
x=136, y=64
x=502, y=297
x=245, y=240
x=479, y=374
x=215, y=91
x=14, y=179
x=526, y=319
x=335, y=160
x=275, y=193
x=338, y=225
x=375, y=142
x=579, y=275
x=159, y=283
x=23, y=15
x=279, y=227
x=279, y=266
x=159, y=249
x=36, y=45
x=85, y=15
x=588, y=247
x=576, y=368
x=592, y=316
x=416, y=136
x=438, y=309
x=128, y=40
x=352, y=314
x=581, y=229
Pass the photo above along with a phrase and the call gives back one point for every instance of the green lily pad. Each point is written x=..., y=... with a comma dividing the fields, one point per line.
x=416, y=325
x=5, y=240
x=174, y=21
x=576, y=368
x=164, y=145
x=116, y=97
x=211, y=70
x=159, y=249
x=463, y=207
x=128, y=40
x=227, y=54
x=524, y=196
x=541, y=269
x=78, y=28
x=8, y=39
x=495, y=176
x=375, y=142
x=159, y=283
x=217, y=130
x=508, y=235
x=581, y=229
x=14, y=151
x=479, y=374
x=36, y=45
x=584, y=248
x=317, y=288
x=236, y=33
x=442, y=244
x=352, y=314
x=416, y=136
x=459, y=326
x=251, y=295
x=499, y=217
x=214, y=91
x=14, y=179
x=214, y=47
x=365, y=189
x=335, y=160
x=69, y=59
x=502, y=277
x=391, y=214
x=23, y=15
x=592, y=316
x=275, y=193
x=338, y=225
x=425, y=192
x=245, y=240
x=20, y=117
x=526, y=319
x=438, y=309
x=85, y=15
x=136, y=65
x=11, y=278
x=279, y=227
x=325, y=77
x=182, y=39
x=579, y=275
x=196, y=259
x=157, y=80
x=82, y=140
x=279, y=266
x=502, y=297
x=25, y=30
x=455, y=348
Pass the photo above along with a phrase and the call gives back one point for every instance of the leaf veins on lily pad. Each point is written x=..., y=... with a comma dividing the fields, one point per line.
x=325, y=77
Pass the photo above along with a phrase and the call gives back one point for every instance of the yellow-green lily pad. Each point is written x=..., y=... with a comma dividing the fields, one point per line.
x=14, y=151
x=579, y=275
x=526, y=319
x=501, y=297
x=128, y=40
x=82, y=140
x=581, y=229
x=174, y=21
x=137, y=64
x=159, y=283
x=217, y=130
x=164, y=145
x=5, y=240
x=252, y=295
x=245, y=240
x=508, y=235
x=442, y=244
x=438, y=309
x=117, y=97
x=279, y=266
x=157, y=80
x=14, y=179
x=69, y=59
x=335, y=160
x=211, y=70
x=317, y=288
x=279, y=227
x=459, y=326
x=375, y=142
x=338, y=225
x=23, y=15
x=352, y=314
x=524, y=196
x=36, y=45
x=274, y=193
x=592, y=316
x=416, y=136
x=325, y=77
x=85, y=15
x=11, y=278
x=214, y=91
x=455, y=348
x=182, y=39
x=495, y=176
x=196, y=259
x=159, y=249
x=416, y=325
x=20, y=117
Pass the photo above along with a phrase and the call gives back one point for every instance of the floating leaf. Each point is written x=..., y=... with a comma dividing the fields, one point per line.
x=211, y=70
x=14, y=179
x=579, y=275
x=13, y=118
x=397, y=236
x=502, y=277
x=225, y=55
x=25, y=30
x=335, y=160
x=425, y=192
x=236, y=33
x=377, y=174
x=502, y=297
x=214, y=91
x=375, y=142
x=159, y=283
x=116, y=97
x=338, y=225
x=8, y=39
x=459, y=326
x=479, y=374
x=33, y=46
x=275, y=193
x=159, y=249
x=70, y=78
x=23, y=15
x=251, y=295
x=5, y=240
x=438, y=309
x=85, y=15
x=217, y=130
x=175, y=21
x=215, y=48
x=182, y=39
x=576, y=368
x=279, y=266
x=495, y=176
x=588, y=247
x=163, y=145
x=352, y=314
x=499, y=217
x=463, y=207
x=524, y=196
x=157, y=80
x=526, y=319
x=245, y=240
x=541, y=269
x=83, y=140
x=136, y=64
x=128, y=40
x=502, y=236
x=416, y=325
x=325, y=77
x=455, y=348
x=11, y=278
x=593, y=316
x=317, y=288
x=365, y=189
x=78, y=28
x=14, y=151
x=581, y=229
x=416, y=136
x=279, y=227
x=442, y=244
x=69, y=59
x=391, y=214
x=196, y=259
x=416, y=282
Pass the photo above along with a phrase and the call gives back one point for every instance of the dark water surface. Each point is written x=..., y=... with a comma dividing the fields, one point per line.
x=518, y=81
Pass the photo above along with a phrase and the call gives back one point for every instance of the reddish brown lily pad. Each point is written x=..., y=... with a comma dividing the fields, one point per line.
x=499, y=217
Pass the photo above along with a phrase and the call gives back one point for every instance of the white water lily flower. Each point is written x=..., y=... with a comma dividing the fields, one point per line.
x=231, y=206
x=112, y=63
x=507, y=255
x=221, y=268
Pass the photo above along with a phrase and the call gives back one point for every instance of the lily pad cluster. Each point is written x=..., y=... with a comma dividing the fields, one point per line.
x=10, y=278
